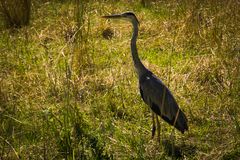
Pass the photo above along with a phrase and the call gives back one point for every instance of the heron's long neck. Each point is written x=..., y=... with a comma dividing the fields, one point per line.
x=137, y=63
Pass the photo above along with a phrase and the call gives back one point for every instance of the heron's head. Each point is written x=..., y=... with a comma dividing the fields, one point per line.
x=129, y=16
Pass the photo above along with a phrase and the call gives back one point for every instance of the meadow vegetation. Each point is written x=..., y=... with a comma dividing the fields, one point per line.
x=68, y=88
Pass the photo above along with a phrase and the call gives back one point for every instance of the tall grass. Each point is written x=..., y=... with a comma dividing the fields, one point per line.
x=82, y=18
x=16, y=13
x=68, y=93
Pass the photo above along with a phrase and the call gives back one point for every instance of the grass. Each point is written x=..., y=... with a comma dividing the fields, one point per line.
x=15, y=13
x=66, y=92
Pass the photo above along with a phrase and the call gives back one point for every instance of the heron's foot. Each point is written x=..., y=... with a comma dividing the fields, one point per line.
x=153, y=131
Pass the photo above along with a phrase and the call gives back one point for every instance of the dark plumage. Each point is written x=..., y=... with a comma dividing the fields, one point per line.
x=161, y=100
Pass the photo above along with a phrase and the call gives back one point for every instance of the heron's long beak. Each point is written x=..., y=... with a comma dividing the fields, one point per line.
x=114, y=16
x=119, y=16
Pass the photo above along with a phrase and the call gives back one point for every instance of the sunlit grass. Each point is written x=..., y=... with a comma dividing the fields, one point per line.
x=66, y=92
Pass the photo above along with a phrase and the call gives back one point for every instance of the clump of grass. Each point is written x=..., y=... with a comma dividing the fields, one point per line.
x=68, y=93
x=82, y=18
x=16, y=13
x=234, y=154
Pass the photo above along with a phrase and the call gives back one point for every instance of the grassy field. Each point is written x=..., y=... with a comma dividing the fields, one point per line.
x=68, y=88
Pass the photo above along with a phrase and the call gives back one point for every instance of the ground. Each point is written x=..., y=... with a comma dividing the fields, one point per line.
x=68, y=88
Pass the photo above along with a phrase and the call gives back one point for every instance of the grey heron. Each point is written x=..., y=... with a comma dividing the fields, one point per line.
x=153, y=92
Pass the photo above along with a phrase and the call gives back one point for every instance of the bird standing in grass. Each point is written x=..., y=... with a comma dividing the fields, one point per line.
x=153, y=92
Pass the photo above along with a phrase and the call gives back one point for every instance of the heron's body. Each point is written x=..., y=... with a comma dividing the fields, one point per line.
x=153, y=92
x=162, y=101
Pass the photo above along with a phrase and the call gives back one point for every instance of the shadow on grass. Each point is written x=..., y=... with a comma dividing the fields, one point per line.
x=178, y=151
x=233, y=154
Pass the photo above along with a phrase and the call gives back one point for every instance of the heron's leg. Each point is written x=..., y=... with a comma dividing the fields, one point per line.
x=158, y=128
x=153, y=125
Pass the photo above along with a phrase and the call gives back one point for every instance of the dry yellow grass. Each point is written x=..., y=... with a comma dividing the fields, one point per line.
x=68, y=97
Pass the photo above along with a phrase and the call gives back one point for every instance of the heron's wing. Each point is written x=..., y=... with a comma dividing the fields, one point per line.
x=161, y=101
